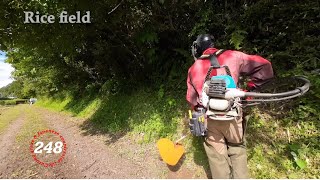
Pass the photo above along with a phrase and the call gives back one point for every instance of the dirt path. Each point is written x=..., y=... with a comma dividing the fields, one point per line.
x=92, y=157
x=88, y=156
x=7, y=140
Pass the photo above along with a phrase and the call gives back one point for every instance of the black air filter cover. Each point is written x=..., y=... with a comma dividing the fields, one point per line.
x=217, y=88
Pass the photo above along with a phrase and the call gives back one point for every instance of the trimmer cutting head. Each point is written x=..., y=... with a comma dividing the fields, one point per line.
x=170, y=152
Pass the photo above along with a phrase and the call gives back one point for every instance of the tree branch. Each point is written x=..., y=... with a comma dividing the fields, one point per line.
x=115, y=7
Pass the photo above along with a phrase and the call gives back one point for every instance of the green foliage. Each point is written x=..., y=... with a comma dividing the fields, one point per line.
x=7, y=102
x=298, y=155
x=237, y=38
x=12, y=102
x=282, y=145
x=148, y=43
x=13, y=89
x=161, y=92
x=139, y=112
x=127, y=69
x=56, y=104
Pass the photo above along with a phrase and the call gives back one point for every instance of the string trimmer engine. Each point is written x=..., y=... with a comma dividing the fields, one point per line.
x=221, y=98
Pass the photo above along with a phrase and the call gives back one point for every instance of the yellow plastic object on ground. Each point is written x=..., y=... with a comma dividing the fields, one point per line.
x=170, y=152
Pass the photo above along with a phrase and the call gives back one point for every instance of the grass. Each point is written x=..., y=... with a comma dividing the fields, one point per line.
x=83, y=107
x=32, y=124
x=8, y=114
x=283, y=148
x=53, y=104
x=151, y=116
x=281, y=143
x=11, y=101
x=7, y=102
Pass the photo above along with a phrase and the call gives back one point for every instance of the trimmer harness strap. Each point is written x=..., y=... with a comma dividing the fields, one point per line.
x=214, y=63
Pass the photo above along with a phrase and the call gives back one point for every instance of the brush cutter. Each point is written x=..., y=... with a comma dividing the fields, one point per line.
x=221, y=101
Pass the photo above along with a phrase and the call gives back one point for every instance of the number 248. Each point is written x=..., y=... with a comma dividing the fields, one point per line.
x=56, y=149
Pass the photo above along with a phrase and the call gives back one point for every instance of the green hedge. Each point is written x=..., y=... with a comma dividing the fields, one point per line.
x=12, y=102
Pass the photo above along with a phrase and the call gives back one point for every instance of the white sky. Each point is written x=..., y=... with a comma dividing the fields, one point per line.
x=5, y=71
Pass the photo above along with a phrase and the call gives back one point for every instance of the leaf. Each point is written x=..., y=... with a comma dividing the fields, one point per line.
x=294, y=147
x=237, y=38
x=301, y=163
x=161, y=92
x=161, y=1
x=33, y=71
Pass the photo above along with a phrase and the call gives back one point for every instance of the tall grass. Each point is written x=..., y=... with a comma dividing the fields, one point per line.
x=279, y=146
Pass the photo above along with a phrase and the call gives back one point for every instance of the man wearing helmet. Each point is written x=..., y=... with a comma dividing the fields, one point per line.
x=224, y=144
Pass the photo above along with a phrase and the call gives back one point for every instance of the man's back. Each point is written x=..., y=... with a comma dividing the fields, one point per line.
x=258, y=68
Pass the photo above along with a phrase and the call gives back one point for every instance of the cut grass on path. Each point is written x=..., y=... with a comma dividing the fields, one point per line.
x=7, y=115
x=33, y=124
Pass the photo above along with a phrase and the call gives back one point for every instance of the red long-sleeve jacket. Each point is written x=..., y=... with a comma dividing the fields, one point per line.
x=239, y=63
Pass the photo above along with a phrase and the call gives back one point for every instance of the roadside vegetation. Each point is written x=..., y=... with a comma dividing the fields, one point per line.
x=126, y=72
x=6, y=102
x=283, y=142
